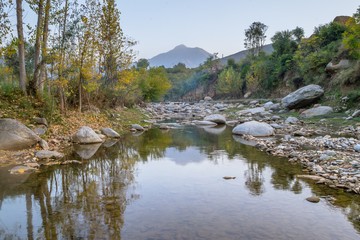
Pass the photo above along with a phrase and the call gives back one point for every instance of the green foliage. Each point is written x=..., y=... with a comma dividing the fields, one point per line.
x=329, y=33
x=354, y=98
x=351, y=39
x=285, y=42
x=154, y=83
x=312, y=63
x=5, y=25
x=178, y=75
x=255, y=37
x=230, y=82
x=142, y=63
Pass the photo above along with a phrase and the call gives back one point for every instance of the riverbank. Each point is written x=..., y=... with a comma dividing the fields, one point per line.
x=327, y=146
x=58, y=134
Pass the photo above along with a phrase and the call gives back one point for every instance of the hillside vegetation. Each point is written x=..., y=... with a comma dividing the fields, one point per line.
x=88, y=63
x=329, y=57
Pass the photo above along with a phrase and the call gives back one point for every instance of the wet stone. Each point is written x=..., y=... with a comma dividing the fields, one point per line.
x=313, y=199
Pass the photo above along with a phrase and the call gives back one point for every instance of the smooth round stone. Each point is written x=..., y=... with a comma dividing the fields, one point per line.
x=357, y=147
x=313, y=199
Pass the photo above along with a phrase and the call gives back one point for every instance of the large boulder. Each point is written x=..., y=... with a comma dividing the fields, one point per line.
x=216, y=118
x=254, y=128
x=15, y=135
x=343, y=64
x=302, y=97
x=317, y=111
x=86, y=135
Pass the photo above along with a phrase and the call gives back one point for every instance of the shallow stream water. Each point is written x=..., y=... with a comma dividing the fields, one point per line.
x=170, y=185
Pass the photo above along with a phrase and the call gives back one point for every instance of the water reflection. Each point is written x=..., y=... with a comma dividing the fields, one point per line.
x=86, y=151
x=130, y=188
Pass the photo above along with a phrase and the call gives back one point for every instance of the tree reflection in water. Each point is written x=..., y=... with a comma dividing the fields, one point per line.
x=89, y=200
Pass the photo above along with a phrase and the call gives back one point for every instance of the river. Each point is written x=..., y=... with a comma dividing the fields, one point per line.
x=169, y=185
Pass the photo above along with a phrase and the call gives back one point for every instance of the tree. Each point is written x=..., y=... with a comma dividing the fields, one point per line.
x=21, y=45
x=114, y=51
x=298, y=33
x=4, y=21
x=285, y=42
x=255, y=37
x=142, y=63
x=88, y=46
x=44, y=47
x=34, y=83
x=351, y=36
x=229, y=82
x=154, y=83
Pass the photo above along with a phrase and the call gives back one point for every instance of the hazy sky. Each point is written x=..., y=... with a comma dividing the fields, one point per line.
x=219, y=25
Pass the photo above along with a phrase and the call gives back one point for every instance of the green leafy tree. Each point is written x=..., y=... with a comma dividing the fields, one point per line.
x=115, y=47
x=255, y=37
x=230, y=82
x=5, y=25
x=142, y=63
x=298, y=33
x=154, y=83
x=352, y=35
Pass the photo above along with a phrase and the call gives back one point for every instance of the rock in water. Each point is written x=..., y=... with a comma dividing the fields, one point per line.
x=228, y=177
x=317, y=111
x=254, y=128
x=216, y=118
x=313, y=199
x=86, y=151
x=109, y=133
x=137, y=127
x=86, y=135
x=302, y=97
x=15, y=136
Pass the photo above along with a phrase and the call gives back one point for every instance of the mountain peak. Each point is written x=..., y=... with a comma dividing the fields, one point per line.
x=191, y=57
x=181, y=46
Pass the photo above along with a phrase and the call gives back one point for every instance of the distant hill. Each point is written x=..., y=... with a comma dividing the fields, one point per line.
x=268, y=49
x=191, y=57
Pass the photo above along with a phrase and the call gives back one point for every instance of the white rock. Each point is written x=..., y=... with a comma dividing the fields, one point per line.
x=86, y=135
x=254, y=128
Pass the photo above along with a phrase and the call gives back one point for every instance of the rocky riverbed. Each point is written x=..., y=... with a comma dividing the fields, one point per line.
x=331, y=153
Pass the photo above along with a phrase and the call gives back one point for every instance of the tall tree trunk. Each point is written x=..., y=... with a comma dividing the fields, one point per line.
x=62, y=57
x=44, y=47
x=21, y=46
x=34, y=84
x=80, y=94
